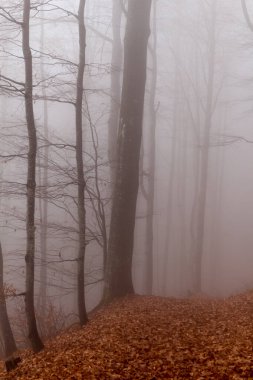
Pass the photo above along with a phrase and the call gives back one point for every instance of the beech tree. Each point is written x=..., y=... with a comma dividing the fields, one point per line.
x=43, y=183
x=79, y=164
x=118, y=278
x=25, y=89
x=33, y=334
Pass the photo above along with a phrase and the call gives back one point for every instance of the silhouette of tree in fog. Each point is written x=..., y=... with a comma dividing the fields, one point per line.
x=118, y=281
x=150, y=193
x=204, y=152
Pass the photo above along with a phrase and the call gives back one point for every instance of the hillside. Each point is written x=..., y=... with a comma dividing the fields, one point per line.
x=152, y=338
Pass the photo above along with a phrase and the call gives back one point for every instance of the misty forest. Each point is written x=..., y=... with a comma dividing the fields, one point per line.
x=126, y=189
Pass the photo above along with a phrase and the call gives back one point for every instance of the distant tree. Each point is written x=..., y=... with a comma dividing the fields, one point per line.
x=204, y=153
x=150, y=194
x=118, y=279
x=170, y=192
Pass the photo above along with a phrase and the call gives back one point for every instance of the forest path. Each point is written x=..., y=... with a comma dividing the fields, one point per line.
x=142, y=337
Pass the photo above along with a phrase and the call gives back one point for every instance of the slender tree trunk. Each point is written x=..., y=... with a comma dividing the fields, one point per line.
x=170, y=199
x=115, y=88
x=216, y=230
x=33, y=335
x=152, y=152
x=43, y=199
x=182, y=191
x=205, y=158
x=79, y=163
x=119, y=264
x=5, y=327
x=196, y=169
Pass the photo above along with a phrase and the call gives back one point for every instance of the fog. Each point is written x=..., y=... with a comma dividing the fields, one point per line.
x=197, y=149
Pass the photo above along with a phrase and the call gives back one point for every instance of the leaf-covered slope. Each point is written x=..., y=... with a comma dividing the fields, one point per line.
x=152, y=338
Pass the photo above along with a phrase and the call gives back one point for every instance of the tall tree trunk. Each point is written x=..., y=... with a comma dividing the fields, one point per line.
x=196, y=127
x=5, y=327
x=170, y=199
x=182, y=191
x=43, y=198
x=113, y=122
x=79, y=163
x=152, y=152
x=119, y=264
x=33, y=335
x=205, y=157
x=115, y=88
x=216, y=227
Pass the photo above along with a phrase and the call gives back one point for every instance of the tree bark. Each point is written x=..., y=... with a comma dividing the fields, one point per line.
x=33, y=334
x=118, y=281
x=79, y=163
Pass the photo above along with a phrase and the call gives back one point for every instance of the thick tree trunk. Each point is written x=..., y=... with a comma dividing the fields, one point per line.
x=79, y=163
x=119, y=264
x=5, y=327
x=33, y=335
x=113, y=121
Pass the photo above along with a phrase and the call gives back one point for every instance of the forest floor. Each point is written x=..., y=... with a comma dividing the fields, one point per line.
x=152, y=338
